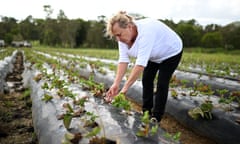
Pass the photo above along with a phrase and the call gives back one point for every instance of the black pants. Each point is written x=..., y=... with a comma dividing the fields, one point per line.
x=156, y=105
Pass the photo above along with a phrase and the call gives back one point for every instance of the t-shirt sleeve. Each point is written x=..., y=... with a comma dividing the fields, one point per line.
x=123, y=56
x=146, y=44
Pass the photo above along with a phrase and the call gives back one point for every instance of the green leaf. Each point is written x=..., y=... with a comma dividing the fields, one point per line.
x=67, y=118
x=47, y=98
x=70, y=108
x=145, y=117
x=94, y=132
x=120, y=101
x=154, y=129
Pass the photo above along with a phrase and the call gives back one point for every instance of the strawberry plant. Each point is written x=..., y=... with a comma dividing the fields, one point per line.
x=120, y=101
x=173, y=137
x=174, y=93
x=147, y=127
x=204, y=111
x=47, y=98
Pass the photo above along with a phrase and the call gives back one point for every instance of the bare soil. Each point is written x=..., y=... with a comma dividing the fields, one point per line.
x=16, y=125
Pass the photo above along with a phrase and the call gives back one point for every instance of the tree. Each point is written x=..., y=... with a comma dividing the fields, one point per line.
x=95, y=35
x=28, y=29
x=212, y=40
x=9, y=29
x=81, y=32
x=170, y=23
x=190, y=33
x=51, y=29
x=231, y=35
x=48, y=10
x=212, y=28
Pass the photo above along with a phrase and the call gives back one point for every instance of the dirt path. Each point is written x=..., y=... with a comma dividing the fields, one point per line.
x=15, y=109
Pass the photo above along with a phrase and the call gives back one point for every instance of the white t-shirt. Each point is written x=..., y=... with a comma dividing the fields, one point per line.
x=155, y=42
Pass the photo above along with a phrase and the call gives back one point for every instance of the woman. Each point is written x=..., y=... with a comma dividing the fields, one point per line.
x=157, y=49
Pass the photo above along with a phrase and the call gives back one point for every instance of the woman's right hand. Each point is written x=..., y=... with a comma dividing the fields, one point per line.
x=113, y=91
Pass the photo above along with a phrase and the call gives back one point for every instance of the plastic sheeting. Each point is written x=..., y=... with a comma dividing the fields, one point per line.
x=117, y=126
x=223, y=128
x=6, y=66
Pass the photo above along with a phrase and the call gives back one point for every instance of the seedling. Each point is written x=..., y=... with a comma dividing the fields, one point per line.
x=204, y=111
x=174, y=137
x=92, y=129
x=223, y=99
x=81, y=101
x=174, y=93
x=174, y=81
x=57, y=83
x=204, y=89
x=26, y=94
x=93, y=133
x=45, y=85
x=227, y=101
x=222, y=92
x=71, y=138
x=184, y=83
x=67, y=118
x=47, y=98
x=120, y=101
x=64, y=92
x=147, y=128
x=98, y=89
x=38, y=77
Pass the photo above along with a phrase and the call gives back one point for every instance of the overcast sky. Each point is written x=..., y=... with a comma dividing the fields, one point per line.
x=205, y=12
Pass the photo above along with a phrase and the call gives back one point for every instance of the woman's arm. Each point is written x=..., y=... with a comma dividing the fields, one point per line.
x=135, y=73
x=121, y=70
x=113, y=90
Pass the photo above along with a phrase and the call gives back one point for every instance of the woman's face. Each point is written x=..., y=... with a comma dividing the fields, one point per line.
x=124, y=35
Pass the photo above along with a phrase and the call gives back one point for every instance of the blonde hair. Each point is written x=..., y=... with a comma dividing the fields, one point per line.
x=122, y=18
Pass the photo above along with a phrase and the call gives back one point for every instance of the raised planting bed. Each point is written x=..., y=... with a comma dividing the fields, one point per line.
x=223, y=126
x=220, y=123
x=6, y=66
x=59, y=115
x=215, y=83
x=182, y=100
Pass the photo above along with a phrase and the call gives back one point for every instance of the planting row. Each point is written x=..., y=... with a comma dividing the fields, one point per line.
x=195, y=106
x=214, y=116
x=213, y=65
x=6, y=64
x=215, y=85
x=69, y=107
x=228, y=90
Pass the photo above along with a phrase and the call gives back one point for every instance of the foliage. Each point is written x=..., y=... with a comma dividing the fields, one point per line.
x=190, y=34
x=174, y=137
x=174, y=93
x=231, y=34
x=47, y=98
x=212, y=40
x=204, y=111
x=67, y=118
x=75, y=33
x=147, y=127
x=120, y=101
x=26, y=94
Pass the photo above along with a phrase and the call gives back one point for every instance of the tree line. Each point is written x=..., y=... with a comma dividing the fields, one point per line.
x=75, y=33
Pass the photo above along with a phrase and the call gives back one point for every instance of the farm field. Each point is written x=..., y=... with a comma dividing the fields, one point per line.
x=62, y=62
